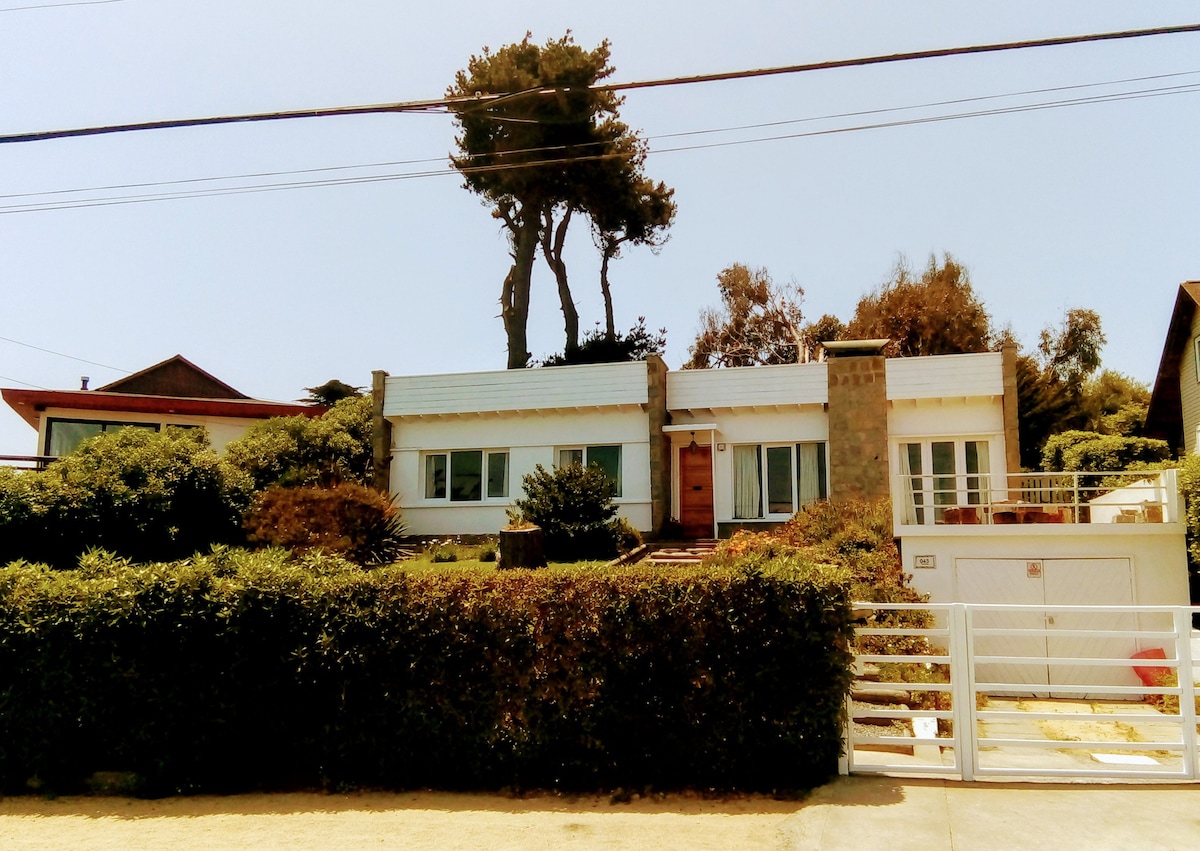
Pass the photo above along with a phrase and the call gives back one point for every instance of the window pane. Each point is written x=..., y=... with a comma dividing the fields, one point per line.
x=567, y=457
x=977, y=462
x=943, y=485
x=779, y=479
x=466, y=476
x=63, y=437
x=435, y=476
x=747, y=485
x=608, y=459
x=497, y=474
x=910, y=465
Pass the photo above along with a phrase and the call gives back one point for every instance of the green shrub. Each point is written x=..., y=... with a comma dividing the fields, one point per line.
x=142, y=494
x=237, y=670
x=574, y=507
x=1089, y=451
x=291, y=451
x=357, y=522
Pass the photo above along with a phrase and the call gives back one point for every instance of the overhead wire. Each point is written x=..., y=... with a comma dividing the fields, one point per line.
x=366, y=179
x=62, y=355
x=553, y=148
x=26, y=383
x=60, y=5
x=481, y=101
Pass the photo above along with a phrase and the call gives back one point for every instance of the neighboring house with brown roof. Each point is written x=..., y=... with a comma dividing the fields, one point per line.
x=1174, y=413
x=174, y=392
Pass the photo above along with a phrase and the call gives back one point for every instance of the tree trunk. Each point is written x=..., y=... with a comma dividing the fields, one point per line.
x=514, y=298
x=607, y=252
x=521, y=548
x=553, y=239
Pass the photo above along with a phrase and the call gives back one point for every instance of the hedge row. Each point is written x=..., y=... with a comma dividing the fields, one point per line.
x=239, y=670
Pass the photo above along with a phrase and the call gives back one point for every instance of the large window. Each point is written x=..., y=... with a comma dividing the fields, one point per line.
x=466, y=475
x=777, y=480
x=943, y=474
x=64, y=436
x=607, y=458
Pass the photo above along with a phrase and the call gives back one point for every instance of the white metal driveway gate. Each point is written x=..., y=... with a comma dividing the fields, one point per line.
x=978, y=690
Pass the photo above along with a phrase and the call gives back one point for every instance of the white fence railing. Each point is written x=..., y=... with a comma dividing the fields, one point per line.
x=980, y=498
x=972, y=690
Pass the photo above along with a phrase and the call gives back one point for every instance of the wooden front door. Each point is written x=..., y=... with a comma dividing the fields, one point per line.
x=696, y=491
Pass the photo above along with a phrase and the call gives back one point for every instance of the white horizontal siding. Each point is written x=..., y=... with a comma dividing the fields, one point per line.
x=589, y=385
x=945, y=376
x=748, y=386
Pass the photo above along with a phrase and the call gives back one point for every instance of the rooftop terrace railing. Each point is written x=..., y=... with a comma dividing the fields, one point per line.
x=26, y=462
x=1026, y=498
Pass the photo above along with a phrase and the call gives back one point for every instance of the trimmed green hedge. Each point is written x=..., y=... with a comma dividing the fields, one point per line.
x=252, y=670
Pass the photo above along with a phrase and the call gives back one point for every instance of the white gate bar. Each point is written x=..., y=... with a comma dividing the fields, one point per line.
x=962, y=679
x=1187, y=697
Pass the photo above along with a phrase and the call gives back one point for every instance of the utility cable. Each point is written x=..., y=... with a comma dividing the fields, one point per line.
x=61, y=355
x=26, y=383
x=275, y=187
x=482, y=101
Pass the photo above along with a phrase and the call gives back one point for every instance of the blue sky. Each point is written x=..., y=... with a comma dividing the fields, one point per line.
x=1088, y=206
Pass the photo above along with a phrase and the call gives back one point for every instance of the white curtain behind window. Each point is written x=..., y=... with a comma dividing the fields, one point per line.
x=810, y=476
x=747, y=486
x=910, y=484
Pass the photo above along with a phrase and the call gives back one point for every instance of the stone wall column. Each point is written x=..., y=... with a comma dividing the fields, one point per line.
x=660, y=445
x=858, y=434
x=381, y=435
x=1012, y=435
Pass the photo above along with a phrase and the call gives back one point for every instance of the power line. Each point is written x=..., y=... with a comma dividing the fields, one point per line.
x=59, y=6
x=442, y=105
x=553, y=148
x=289, y=185
x=17, y=381
x=61, y=355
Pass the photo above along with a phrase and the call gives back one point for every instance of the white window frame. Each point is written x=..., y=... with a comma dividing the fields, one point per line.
x=484, y=497
x=585, y=448
x=764, y=496
x=928, y=511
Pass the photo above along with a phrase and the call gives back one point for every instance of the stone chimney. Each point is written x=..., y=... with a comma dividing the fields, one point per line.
x=858, y=433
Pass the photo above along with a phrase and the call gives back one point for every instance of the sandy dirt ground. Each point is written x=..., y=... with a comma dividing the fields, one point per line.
x=424, y=820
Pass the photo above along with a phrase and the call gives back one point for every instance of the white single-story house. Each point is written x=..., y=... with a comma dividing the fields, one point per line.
x=174, y=392
x=723, y=449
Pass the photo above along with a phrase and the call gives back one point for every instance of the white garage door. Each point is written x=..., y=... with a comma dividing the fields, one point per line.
x=1054, y=582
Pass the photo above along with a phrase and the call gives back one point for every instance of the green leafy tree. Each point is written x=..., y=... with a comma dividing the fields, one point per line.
x=335, y=447
x=757, y=322
x=1092, y=452
x=1051, y=385
x=331, y=392
x=936, y=313
x=549, y=148
x=1112, y=403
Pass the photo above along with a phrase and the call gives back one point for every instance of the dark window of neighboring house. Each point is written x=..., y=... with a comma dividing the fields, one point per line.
x=63, y=436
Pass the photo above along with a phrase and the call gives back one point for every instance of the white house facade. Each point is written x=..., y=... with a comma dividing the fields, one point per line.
x=707, y=452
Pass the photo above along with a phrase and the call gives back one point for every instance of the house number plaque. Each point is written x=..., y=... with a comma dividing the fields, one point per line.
x=925, y=561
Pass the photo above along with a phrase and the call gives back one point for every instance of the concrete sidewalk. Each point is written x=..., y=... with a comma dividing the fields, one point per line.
x=890, y=814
